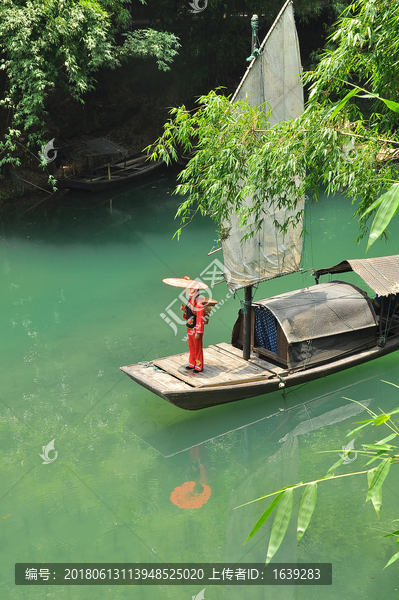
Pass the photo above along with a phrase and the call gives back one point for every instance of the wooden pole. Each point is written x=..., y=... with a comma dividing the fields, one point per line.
x=381, y=340
x=247, y=323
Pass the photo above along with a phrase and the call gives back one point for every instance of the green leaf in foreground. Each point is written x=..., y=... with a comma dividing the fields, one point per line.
x=280, y=524
x=375, y=457
x=382, y=418
x=265, y=515
x=393, y=534
x=387, y=439
x=391, y=560
x=394, y=106
x=377, y=447
x=379, y=475
x=338, y=463
x=388, y=207
x=342, y=103
x=306, y=509
x=359, y=428
x=375, y=495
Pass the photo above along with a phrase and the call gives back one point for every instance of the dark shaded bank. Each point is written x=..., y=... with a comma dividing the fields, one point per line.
x=131, y=104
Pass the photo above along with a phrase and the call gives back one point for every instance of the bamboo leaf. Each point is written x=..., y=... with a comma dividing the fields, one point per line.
x=280, y=524
x=338, y=463
x=379, y=475
x=391, y=560
x=376, y=497
x=358, y=428
x=391, y=104
x=259, y=500
x=341, y=105
x=382, y=418
x=388, y=208
x=387, y=439
x=306, y=509
x=385, y=447
x=265, y=516
x=393, y=534
x=372, y=206
x=375, y=458
x=394, y=106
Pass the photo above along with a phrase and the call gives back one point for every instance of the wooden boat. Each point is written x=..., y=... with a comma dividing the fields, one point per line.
x=113, y=173
x=292, y=338
x=117, y=175
x=345, y=331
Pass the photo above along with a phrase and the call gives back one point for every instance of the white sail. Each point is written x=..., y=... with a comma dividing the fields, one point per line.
x=272, y=78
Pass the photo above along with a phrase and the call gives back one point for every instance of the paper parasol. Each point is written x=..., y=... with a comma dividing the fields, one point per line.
x=185, y=283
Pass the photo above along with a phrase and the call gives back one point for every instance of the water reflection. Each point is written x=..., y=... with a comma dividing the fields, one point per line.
x=270, y=414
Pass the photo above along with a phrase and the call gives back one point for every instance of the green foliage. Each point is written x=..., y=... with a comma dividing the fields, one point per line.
x=343, y=142
x=280, y=524
x=146, y=43
x=265, y=515
x=306, y=509
x=224, y=135
x=62, y=43
x=388, y=206
x=383, y=451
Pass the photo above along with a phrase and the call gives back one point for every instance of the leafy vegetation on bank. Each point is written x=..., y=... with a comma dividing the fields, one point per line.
x=49, y=44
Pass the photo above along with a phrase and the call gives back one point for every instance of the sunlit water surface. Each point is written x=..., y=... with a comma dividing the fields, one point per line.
x=81, y=295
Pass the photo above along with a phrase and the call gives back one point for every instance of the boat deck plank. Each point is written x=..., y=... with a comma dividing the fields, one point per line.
x=259, y=362
x=157, y=381
x=219, y=368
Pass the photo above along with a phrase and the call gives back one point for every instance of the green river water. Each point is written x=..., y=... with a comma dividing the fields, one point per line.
x=81, y=295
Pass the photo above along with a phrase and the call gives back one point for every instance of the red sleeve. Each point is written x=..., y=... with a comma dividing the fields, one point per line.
x=199, y=328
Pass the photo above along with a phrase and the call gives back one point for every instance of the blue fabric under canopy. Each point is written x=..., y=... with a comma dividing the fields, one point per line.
x=265, y=329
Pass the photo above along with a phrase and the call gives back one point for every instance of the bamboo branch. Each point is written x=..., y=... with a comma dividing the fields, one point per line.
x=352, y=135
x=302, y=485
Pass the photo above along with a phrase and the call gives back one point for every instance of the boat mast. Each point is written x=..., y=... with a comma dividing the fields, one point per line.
x=246, y=344
x=246, y=349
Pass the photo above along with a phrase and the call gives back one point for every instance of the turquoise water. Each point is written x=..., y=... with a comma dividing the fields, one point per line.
x=82, y=294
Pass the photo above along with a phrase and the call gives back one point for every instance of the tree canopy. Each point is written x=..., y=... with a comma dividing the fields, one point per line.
x=48, y=44
x=345, y=141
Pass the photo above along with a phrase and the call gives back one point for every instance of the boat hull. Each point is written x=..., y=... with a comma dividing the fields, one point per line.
x=186, y=397
x=103, y=183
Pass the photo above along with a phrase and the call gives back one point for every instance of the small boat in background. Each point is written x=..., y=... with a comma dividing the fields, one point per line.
x=120, y=167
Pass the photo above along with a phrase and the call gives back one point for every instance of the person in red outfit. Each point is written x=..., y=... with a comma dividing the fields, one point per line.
x=193, y=314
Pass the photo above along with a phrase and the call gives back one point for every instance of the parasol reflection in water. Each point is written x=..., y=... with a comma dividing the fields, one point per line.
x=193, y=494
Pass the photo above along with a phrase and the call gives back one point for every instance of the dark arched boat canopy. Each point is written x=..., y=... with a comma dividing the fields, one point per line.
x=314, y=325
x=328, y=309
